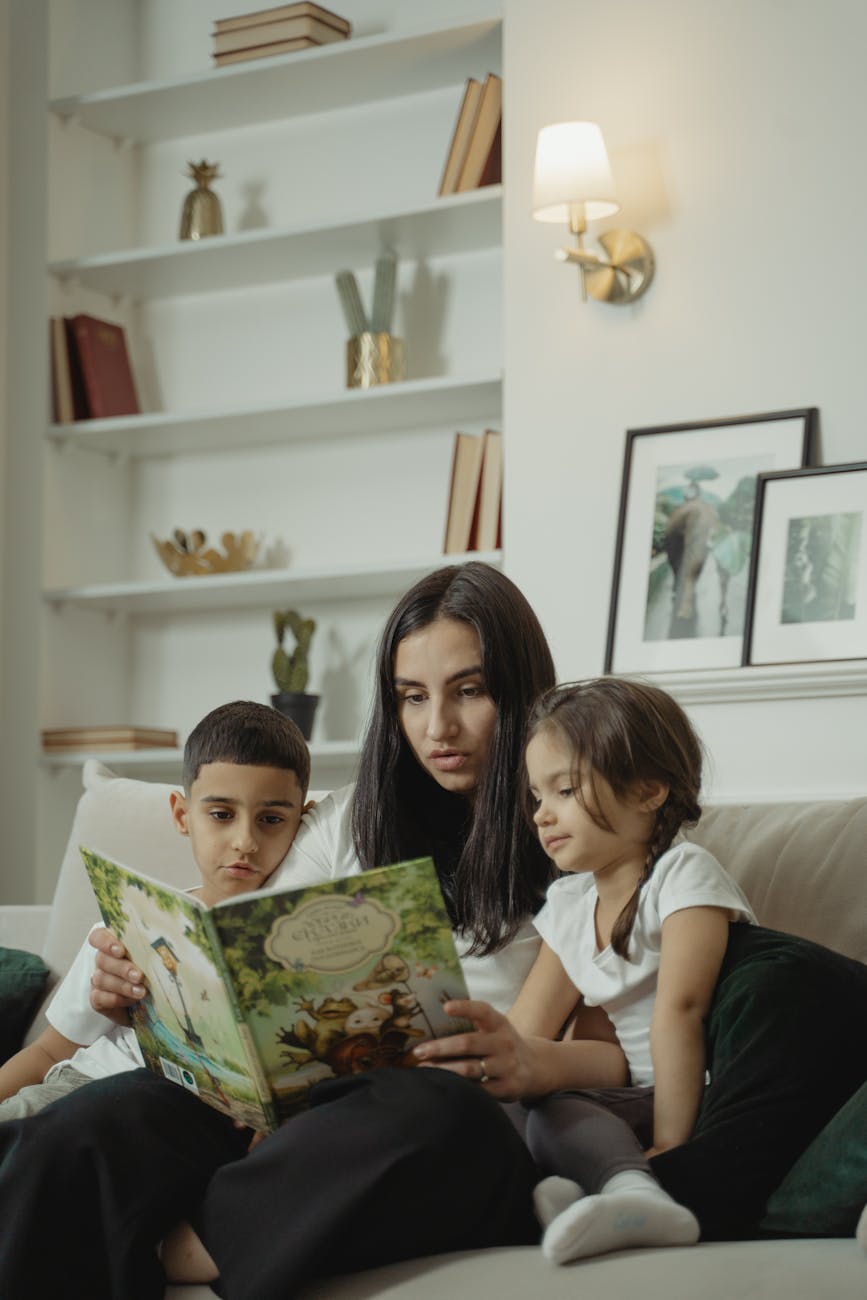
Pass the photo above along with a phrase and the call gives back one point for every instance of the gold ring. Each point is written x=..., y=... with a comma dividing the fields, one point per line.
x=484, y=1077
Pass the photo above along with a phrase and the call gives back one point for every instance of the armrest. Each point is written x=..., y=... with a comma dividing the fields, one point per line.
x=24, y=925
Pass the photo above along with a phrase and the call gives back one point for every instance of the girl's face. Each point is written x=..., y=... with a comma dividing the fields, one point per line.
x=567, y=832
x=443, y=705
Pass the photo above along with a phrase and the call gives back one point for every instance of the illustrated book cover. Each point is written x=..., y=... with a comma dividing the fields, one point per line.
x=254, y=1000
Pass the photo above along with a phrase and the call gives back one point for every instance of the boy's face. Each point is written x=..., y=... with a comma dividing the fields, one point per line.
x=241, y=821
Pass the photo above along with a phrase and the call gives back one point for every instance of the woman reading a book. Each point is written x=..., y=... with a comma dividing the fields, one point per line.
x=388, y=1164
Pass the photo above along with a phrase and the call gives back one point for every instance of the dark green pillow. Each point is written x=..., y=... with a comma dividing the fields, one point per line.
x=827, y=1186
x=23, y=977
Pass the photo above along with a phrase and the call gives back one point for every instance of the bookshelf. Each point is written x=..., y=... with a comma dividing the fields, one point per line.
x=246, y=421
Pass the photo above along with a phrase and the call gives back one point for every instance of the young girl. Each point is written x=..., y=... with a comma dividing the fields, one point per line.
x=637, y=925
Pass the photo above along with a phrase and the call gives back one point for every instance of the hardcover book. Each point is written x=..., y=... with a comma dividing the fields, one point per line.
x=487, y=525
x=483, y=162
x=463, y=492
x=244, y=38
x=106, y=372
x=108, y=737
x=62, y=402
x=461, y=137
x=254, y=1000
x=302, y=9
x=267, y=51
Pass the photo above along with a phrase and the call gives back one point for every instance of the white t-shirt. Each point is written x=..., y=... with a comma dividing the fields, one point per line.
x=685, y=876
x=323, y=850
x=110, y=1048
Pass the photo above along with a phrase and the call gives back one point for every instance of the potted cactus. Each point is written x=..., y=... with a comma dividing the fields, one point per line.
x=291, y=669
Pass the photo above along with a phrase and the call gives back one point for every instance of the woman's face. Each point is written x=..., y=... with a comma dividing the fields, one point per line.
x=443, y=705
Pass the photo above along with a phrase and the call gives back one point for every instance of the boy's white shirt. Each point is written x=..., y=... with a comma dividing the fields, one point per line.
x=685, y=876
x=323, y=850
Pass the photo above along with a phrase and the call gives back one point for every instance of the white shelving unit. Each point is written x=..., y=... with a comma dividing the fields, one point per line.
x=193, y=452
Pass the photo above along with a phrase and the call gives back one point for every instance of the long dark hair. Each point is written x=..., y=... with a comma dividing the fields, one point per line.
x=490, y=864
x=626, y=731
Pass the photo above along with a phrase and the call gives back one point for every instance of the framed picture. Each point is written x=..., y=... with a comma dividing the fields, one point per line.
x=684, y=537
x=808, y=576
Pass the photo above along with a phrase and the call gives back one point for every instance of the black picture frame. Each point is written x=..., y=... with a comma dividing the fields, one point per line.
x=661, y=621
x=808, y=568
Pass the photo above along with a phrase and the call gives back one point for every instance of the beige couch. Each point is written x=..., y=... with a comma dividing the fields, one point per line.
x=803, y=867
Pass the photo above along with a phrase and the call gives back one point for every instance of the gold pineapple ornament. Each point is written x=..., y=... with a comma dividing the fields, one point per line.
x=202, y=214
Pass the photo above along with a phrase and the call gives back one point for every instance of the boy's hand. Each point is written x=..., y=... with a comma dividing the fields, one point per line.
x=115, y=983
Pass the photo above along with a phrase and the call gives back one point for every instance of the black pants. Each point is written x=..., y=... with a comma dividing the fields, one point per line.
x=385, y=1166
x=787, y=1046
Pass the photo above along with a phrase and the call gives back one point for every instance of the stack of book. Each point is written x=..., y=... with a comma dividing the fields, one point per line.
x=475, y=155
x=475, y=509
x=276, y=31
x=91, y=374
x=60, y=740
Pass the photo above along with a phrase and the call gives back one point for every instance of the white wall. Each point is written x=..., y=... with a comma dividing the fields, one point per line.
x=736, y=132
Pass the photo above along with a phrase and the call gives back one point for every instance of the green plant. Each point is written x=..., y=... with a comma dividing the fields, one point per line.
x=291, y=670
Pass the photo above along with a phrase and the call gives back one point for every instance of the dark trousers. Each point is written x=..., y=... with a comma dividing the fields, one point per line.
x=384, y=1166
x=787, y=1046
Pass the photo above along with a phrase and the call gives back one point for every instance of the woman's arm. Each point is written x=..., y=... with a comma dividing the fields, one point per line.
x=522, y=1054
x=33, y=1062
x=693, y=946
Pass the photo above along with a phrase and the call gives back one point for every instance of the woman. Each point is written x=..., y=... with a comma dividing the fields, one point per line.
x=386, y=1165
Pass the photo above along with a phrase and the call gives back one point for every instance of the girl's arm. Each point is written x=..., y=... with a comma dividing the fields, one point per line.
x=520, y=1054
x=693, y=946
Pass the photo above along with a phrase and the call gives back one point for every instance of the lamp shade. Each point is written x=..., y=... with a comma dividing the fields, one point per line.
x=572, y=167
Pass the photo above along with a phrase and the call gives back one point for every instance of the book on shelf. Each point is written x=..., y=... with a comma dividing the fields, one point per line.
x=463, y=491
x=483, y=163
x=108, y=737
x=487, y=523
x=302, y=9
x=99, y=352
x=313, y=30
x=267, y=51
x=62, y=398
x=460, y=136
x=252, y=1001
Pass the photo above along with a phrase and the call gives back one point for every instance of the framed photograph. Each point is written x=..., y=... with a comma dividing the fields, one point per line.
x=808, y=578
x=684, y=537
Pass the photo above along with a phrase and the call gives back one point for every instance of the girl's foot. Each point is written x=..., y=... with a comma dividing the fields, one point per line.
x=552, y=1196
x=638, y=1213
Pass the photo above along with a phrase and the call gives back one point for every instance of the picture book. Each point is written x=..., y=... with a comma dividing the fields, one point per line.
x=254, y=1000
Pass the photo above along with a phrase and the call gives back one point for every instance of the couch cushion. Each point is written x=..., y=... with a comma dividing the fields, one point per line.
x=803, y=867
x=23, y=977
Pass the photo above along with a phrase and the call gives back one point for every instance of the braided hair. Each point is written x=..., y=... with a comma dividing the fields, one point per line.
x=626, y=731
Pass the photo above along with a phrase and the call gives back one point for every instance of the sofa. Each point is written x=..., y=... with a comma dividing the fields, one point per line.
x=803, y=868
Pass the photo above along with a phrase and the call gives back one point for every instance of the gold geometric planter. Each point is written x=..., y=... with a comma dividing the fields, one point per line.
x=373, y=359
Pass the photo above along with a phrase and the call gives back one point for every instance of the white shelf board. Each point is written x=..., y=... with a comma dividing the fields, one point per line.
x=346, y=73
x=256, y=588
x=458, y=223
x=818, y=680
x=389, y=408
x=326, y=753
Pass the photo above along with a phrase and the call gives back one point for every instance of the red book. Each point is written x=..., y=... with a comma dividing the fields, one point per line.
x=104, y=366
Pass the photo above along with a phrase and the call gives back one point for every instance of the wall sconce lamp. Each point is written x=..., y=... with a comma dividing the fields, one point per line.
x=572, y=183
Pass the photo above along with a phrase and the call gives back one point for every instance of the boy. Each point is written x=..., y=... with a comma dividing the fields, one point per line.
x=245, y=775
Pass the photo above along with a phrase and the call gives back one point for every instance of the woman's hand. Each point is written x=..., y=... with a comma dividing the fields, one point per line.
x=494, y=1053
x=116, y=984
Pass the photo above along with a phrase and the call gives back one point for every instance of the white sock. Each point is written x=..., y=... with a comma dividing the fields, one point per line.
x=631, y=1210
x=861, y=1230
x=552, y=1196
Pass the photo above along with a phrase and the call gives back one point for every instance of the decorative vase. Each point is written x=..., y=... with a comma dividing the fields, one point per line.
x=202, y=214
x=374, y=359
x=299, y=706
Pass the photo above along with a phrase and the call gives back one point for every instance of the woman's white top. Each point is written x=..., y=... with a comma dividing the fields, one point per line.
x=685, y=876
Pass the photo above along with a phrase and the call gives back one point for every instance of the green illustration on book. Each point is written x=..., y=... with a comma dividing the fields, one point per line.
x=254, y=1000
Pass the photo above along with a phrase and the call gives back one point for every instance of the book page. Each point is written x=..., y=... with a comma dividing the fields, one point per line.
x=342, y=977
x=186, y=1026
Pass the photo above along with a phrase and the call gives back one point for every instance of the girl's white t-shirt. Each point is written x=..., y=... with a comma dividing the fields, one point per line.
x=685, y=876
